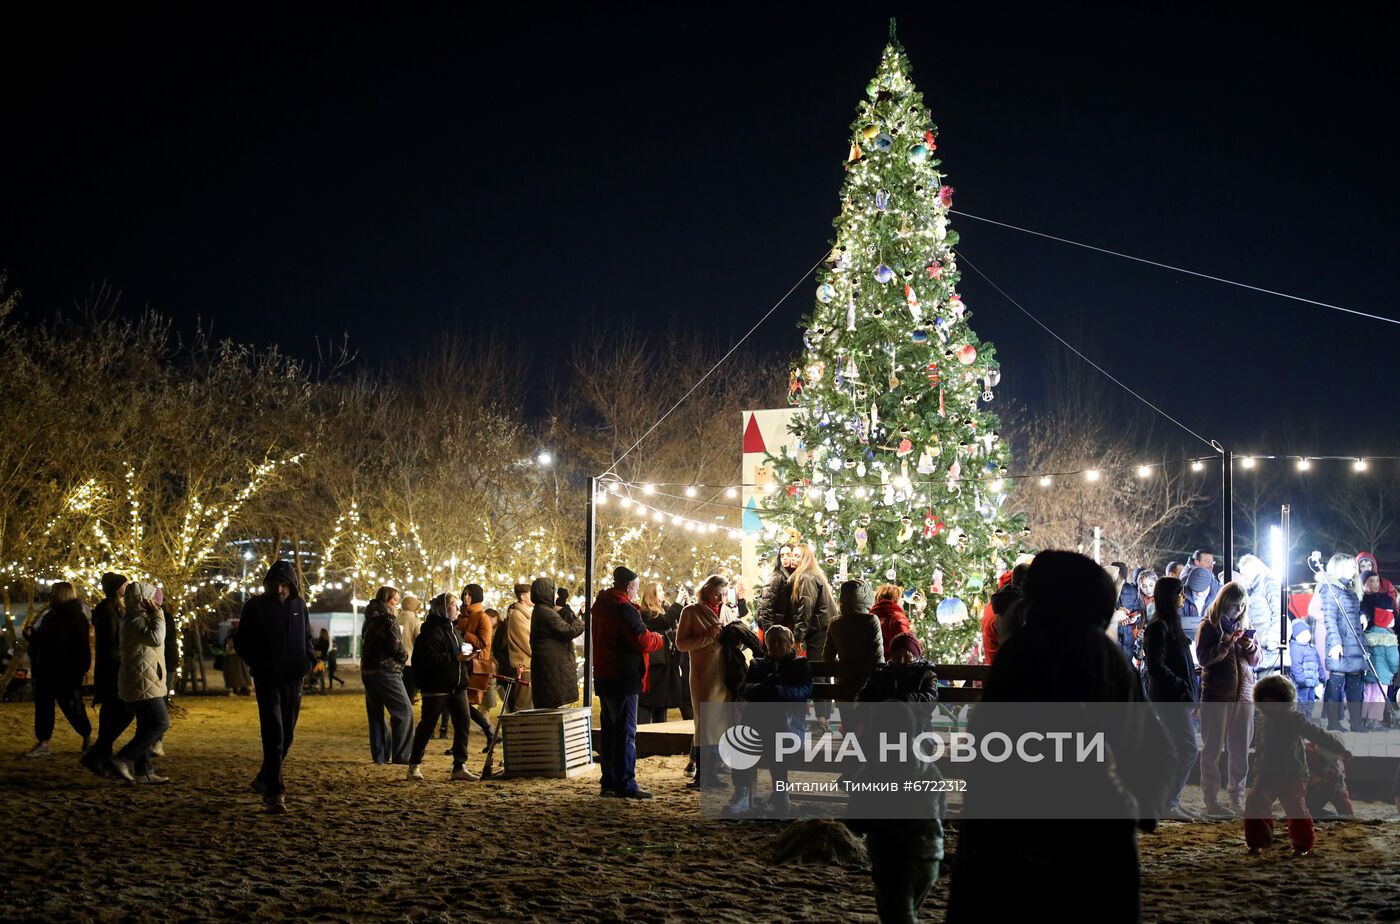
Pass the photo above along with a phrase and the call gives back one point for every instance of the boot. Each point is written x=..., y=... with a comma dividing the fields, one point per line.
x=741, y=804
x=414, y=773
x=780, y=805
x=158, y=749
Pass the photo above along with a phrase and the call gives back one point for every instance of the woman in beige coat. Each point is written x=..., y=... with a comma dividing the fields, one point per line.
x=699, y=629
x=141, y=681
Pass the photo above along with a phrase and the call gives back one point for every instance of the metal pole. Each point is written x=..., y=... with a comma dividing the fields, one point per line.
x=588, y=552
x=1098, y=544
x=1227, y=514
x=1284, y=515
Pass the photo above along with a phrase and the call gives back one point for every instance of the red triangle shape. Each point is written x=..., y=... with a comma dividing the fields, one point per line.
x=753, y=439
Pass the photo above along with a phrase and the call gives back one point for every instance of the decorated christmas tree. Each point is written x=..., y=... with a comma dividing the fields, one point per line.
x=900, y=476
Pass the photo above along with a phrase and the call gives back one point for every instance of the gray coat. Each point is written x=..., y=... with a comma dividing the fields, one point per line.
x=1264, y=618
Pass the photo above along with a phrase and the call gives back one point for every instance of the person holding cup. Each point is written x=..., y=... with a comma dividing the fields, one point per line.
x=1228, y=653
x=441, y=656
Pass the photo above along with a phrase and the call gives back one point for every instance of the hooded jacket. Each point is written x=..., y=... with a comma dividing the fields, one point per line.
x=1264, y=617
x=621, y=643
x=911, y=683
x=553, y=664
x=1386, y=586
x=812, y=613
x=142, y=674
x=274, y=638
x=1278, y=742
x=854, y=642
x=1304, y=663
x=1385, y=656
x=1201, y=589
x=435, y=664
x=58, y=650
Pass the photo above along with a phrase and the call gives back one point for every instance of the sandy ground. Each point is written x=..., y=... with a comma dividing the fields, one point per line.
x=361, y=842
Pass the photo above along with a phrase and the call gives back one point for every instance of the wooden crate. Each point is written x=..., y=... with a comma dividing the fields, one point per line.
x=555, y=743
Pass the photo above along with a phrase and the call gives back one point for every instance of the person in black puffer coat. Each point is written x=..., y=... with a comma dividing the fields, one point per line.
x=382, y=658
x=60, y=656
x=553, y=666
x=440, y=665
x=116, y=715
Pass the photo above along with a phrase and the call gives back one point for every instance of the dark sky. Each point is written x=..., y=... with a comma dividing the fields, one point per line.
x=388, y=172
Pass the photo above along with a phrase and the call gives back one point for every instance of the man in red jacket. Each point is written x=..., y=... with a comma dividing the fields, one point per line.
x=621, y=644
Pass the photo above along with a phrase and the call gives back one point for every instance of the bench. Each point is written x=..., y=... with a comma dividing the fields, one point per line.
x=823, y=690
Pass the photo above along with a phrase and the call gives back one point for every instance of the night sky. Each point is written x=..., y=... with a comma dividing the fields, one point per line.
x=389, y=173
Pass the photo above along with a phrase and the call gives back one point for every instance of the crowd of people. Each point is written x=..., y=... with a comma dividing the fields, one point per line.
x=1228, y=672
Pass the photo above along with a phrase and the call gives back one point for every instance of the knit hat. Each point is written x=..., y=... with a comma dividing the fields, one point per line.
x=1299, y=627
x=412, y=604
x=1384, y=618
x=112, y=583
x=906, y=641
x=622, y=576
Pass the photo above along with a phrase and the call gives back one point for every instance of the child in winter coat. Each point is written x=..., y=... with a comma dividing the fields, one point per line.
x=1378, y=615
x=905, y=853
x=1305, y=664
x=782, y=677
x=1280, y=770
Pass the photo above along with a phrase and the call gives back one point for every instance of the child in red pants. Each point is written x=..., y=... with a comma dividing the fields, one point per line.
x=1280, y=769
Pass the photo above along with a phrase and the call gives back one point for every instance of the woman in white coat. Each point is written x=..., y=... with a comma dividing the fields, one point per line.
x=698, y=632
x=141, y=681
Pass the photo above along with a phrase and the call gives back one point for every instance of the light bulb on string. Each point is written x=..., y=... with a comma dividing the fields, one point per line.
x=1144, y=471
x=1247, y=462
x=732, y=492
x=1045, y=481
x=690, y=491
x=1091, y=475
x=1197, y=465
x=1359, y=465
x=1304, y=465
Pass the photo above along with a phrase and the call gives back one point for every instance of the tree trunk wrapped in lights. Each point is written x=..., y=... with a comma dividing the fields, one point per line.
x=901, y=475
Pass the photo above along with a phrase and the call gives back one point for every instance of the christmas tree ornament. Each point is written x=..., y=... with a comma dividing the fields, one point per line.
x=851, y=315
x=925, y=466
x=905, y=447
x=832, y=504
x=794, y=387
x=890, y=575
x=877, y=312
x=919, y=335
x=933, y=376
x=993, y=376
x=872, y=88
x=825, y=293
x=870, y=131
x=954, y=475
x=882, y=199
x=852, y=373
x=955, y=536
x=918, y=154
x=932, y=525
x=862, y=539
x=936, y=587
x=863, y=519
x=860, y=469
x=910, y=399
x=883, y=142
x=967, y=354
x=935, y=271
x=883, y=274
x=955, y=305
x=855, y=153
x=907, y=532
x=843, y=569
x=928, y=140
x=952, y=612
x=942, y=411
x=945, y=196
x=850, y=463
x=975, y=583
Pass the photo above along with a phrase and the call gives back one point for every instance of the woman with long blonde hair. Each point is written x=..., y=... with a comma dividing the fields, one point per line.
x=813, y=605
x=663, y=690
x=1227, y=652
